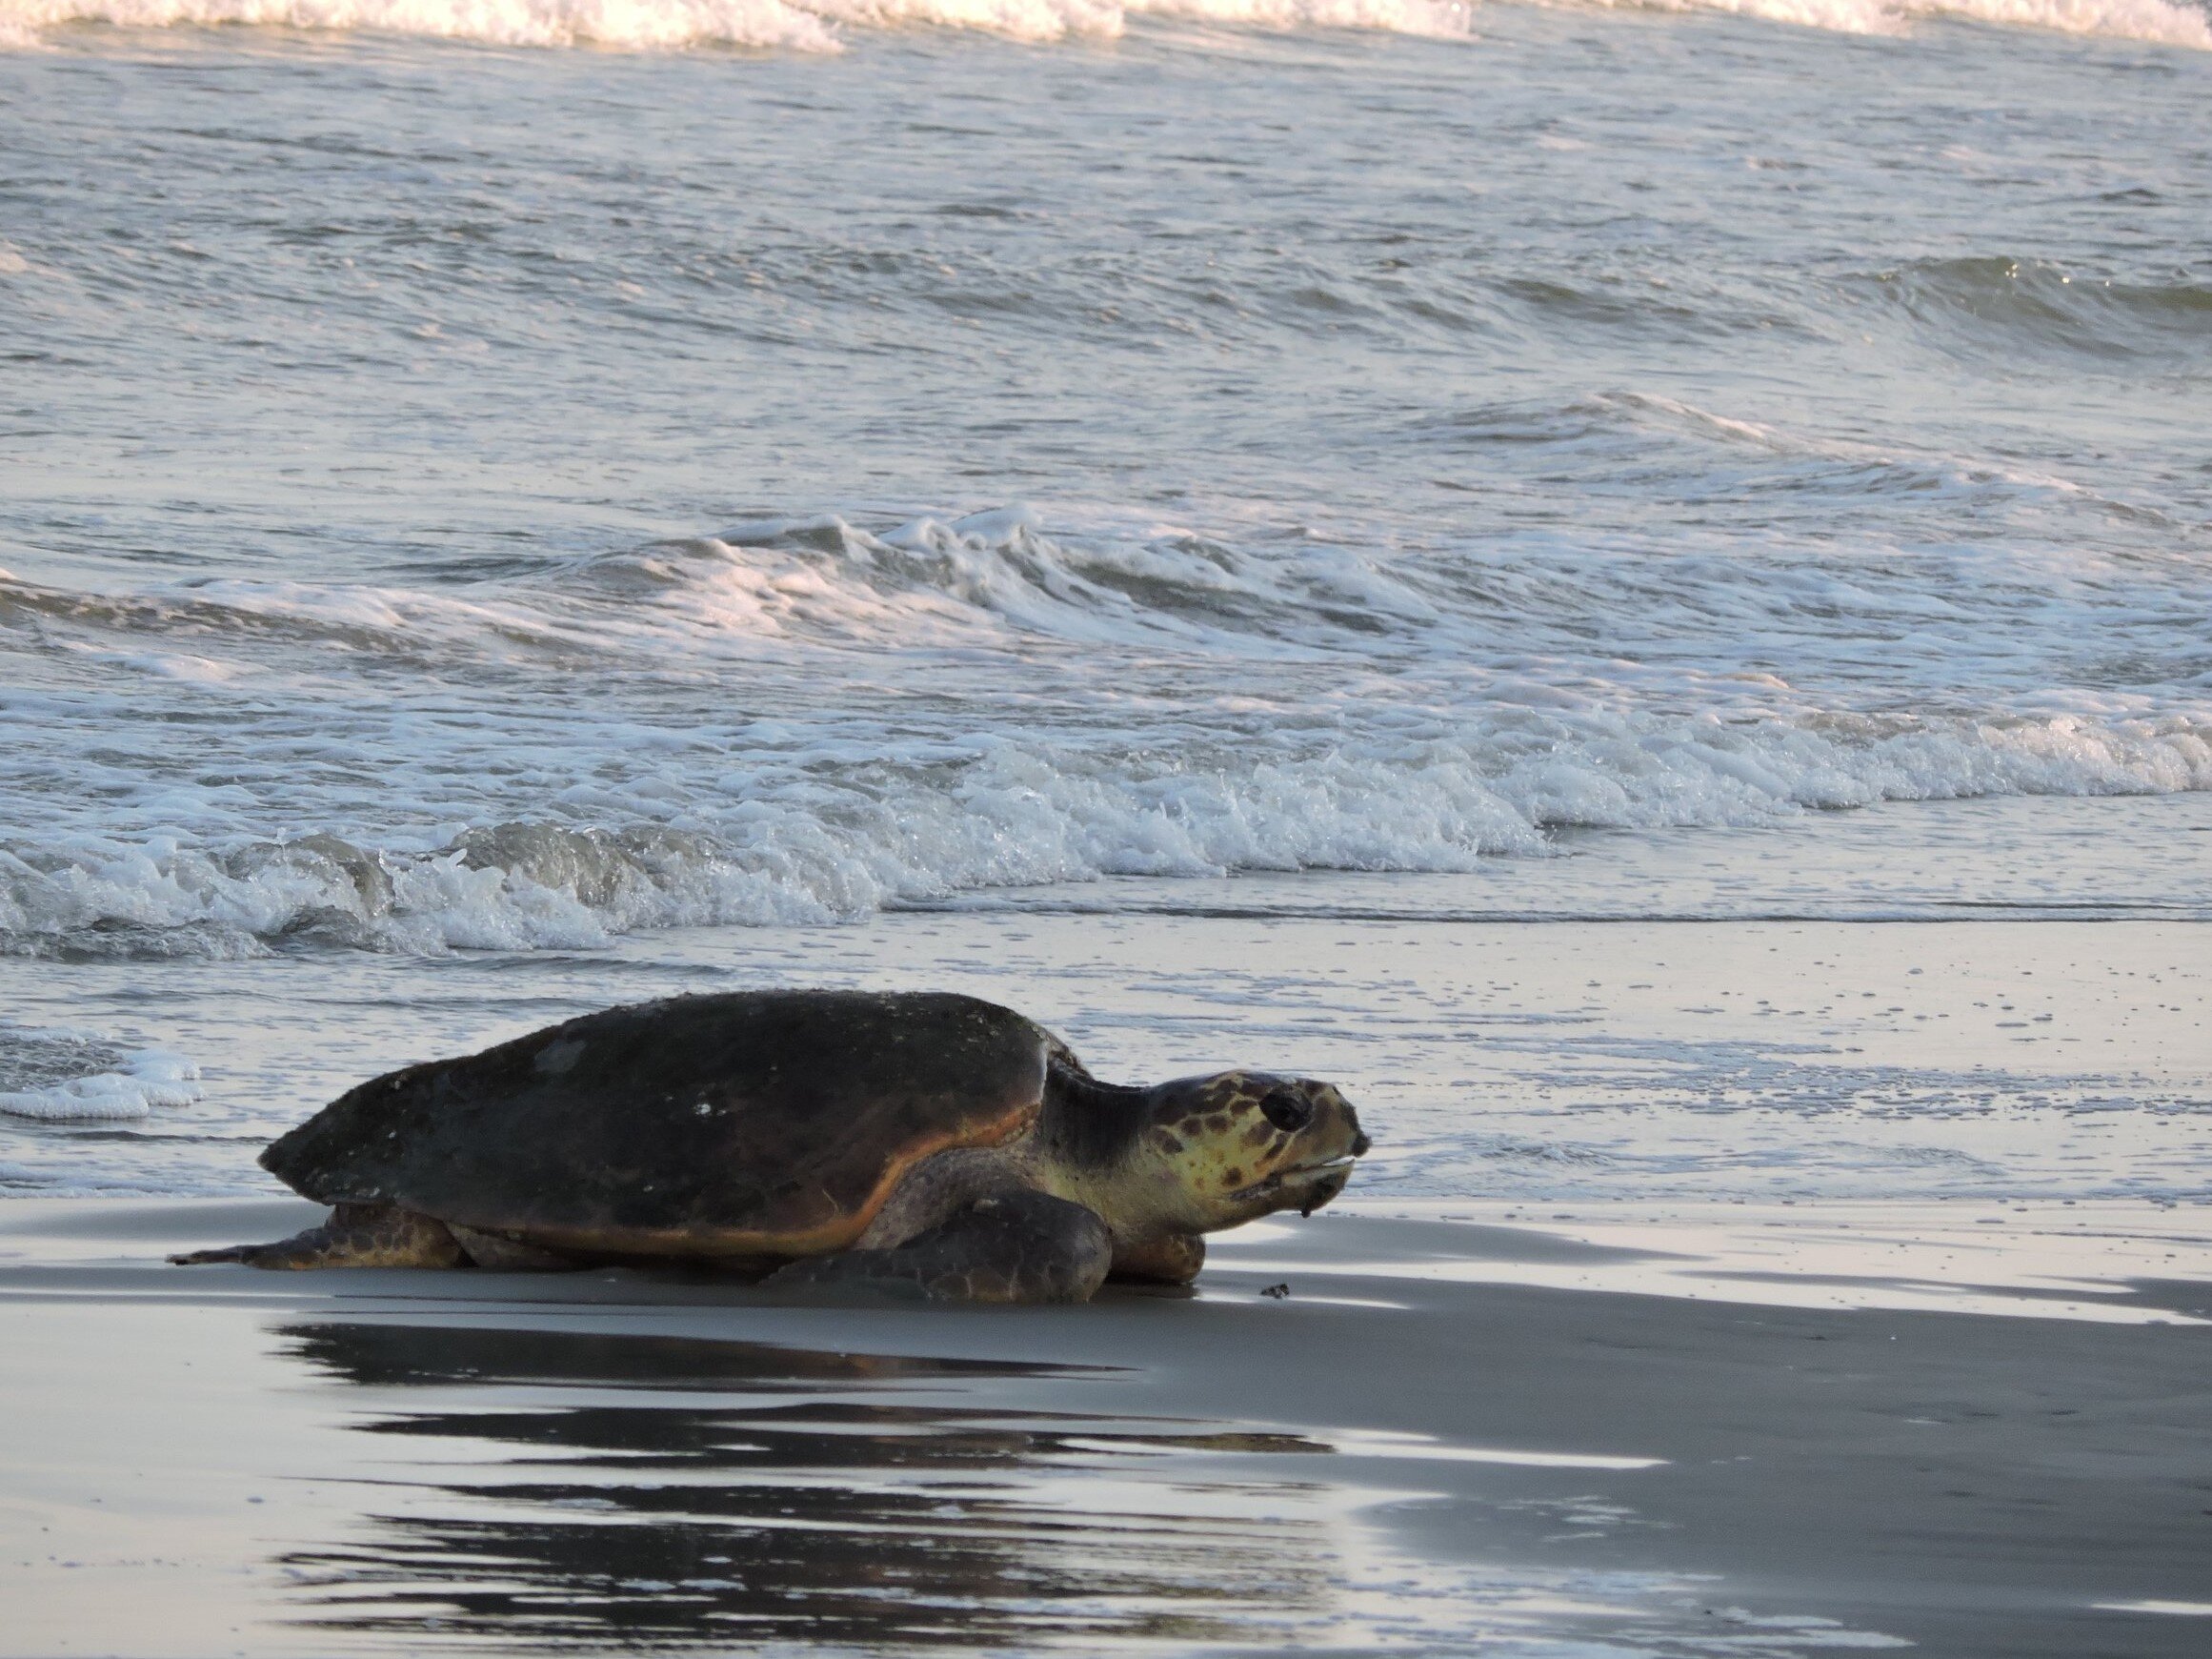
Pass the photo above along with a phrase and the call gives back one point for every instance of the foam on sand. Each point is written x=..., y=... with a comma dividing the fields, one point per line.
x=59, y=1075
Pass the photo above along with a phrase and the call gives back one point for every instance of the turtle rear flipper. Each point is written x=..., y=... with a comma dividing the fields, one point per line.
x=1014, y=1246
x=358, y=1235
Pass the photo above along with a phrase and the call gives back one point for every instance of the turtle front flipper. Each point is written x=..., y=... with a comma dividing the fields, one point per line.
x=1013, y=1246
x=1167, y=1259
x=358, y=1235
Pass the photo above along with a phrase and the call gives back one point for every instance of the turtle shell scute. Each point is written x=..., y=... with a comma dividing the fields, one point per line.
x=767, y=1121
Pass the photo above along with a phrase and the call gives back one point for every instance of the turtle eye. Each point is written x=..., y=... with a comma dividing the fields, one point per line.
x=1286, y=1110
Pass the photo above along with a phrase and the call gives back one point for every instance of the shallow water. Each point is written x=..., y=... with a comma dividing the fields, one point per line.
x=1674, y=1057
x=652, y=514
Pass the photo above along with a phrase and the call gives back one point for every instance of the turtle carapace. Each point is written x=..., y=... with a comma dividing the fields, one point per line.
x=821, y=1138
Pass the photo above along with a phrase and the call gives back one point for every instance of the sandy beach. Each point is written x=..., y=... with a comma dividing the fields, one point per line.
x=1679, y=1434
x=1698, y=1300
x=1717, y=1286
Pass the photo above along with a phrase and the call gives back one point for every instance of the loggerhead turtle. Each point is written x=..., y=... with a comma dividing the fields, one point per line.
x=820, y=1138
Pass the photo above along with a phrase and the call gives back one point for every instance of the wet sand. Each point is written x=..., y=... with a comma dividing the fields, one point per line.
x=1704, y=1430
x=1758, y=1343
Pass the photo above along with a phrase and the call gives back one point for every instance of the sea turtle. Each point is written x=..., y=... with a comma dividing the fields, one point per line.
x=816, y=1137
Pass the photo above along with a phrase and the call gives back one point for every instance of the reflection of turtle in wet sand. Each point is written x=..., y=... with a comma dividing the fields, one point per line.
x=922, y=1140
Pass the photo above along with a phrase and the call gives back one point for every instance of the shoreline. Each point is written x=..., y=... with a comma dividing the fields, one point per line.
x=1571, y=1062
x=1430, y=1442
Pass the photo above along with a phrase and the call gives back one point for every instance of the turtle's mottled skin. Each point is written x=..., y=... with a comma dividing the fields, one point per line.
x=822, y=1138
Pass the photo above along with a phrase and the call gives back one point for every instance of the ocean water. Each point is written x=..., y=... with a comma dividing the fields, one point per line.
x=508, y=506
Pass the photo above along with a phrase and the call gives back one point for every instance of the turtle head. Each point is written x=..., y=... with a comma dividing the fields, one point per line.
x=1240, y=1144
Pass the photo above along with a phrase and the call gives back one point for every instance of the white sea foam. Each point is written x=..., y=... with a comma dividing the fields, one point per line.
x=2165, y=22
x=666, y=25
x=638, y=25
x=58, y=1076
x=819, y=25
x=827, y=844
x=413, y=768
x=1430, y=17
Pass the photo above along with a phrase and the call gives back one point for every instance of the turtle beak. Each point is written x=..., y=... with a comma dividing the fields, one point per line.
x=1305, y=1188
x=1359, y=1144
x=1359, y=1141
x=1323, y=1181
x=1329, y=1142
x=1329, y=1183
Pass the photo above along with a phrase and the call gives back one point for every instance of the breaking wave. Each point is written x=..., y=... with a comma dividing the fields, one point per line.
x=823, y=25
x=1990, y=305
x=672, y=25
x=838, y=846
x=2164, y=22
x=807, y=720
